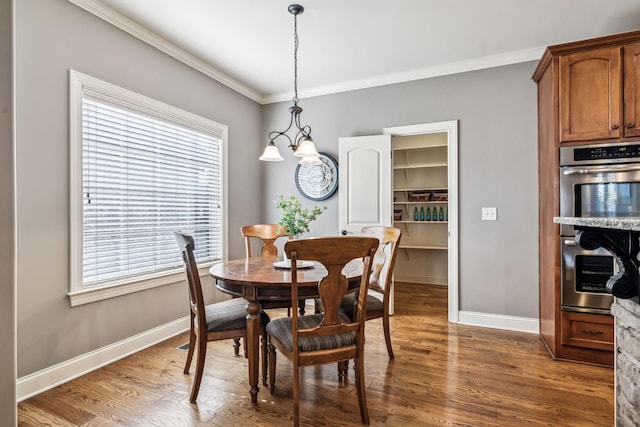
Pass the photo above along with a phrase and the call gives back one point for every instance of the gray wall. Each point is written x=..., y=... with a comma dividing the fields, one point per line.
x=496, y=109
x=51, y=38
x=7, y=286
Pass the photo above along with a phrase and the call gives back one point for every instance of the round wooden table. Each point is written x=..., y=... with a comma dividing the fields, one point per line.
x=258, y=281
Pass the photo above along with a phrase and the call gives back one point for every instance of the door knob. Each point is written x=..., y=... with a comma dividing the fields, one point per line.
x=343, y=232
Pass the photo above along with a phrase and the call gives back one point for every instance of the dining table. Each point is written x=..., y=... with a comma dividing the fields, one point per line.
x=265, y=280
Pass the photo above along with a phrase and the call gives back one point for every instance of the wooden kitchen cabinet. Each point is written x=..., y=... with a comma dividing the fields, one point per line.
x=591, y=95
x=585, y=89
x=598, y=94
x=632, y=90
x=587, y=330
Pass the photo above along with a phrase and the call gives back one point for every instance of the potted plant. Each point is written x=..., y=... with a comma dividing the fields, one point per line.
x=295, y=219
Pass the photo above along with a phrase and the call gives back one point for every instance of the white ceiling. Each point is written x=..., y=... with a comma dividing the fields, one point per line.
x=350, y=44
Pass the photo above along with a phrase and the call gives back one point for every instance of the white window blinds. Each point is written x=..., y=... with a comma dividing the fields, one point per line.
x=143, y=178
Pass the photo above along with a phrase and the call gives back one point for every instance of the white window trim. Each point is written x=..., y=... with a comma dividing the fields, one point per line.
x=80, y=84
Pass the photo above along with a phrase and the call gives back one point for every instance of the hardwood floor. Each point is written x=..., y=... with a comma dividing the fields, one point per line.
x=443, y=374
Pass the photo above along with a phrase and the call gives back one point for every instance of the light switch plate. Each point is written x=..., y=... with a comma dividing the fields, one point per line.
x=489, y=214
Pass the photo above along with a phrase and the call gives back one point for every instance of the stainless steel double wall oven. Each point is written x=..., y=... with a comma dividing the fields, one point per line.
x=600, y=180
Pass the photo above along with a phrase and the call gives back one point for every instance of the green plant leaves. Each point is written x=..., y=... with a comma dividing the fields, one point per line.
x=295, y=219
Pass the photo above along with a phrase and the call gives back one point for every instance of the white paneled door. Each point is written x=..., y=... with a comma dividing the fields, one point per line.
x=364, y=182
x=365, y=185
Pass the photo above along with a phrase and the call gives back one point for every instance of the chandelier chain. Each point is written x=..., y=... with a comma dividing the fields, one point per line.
x=295, y=59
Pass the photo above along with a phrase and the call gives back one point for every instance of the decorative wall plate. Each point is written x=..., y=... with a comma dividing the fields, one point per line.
x=318, y=182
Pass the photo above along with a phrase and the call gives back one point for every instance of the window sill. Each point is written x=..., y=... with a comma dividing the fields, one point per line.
x=98, y=294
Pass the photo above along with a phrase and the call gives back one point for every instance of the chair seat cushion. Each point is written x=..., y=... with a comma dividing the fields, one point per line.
x=229, y=315
x=282, y=330
x=348, y=303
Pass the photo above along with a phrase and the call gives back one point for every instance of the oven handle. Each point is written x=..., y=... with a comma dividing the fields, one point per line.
x=570, y=242
x=601, y=169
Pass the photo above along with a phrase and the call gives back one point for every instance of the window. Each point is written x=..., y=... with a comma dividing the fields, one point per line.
x=139, y=169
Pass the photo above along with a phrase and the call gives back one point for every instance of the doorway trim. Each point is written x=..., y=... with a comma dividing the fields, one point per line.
x=451, y=128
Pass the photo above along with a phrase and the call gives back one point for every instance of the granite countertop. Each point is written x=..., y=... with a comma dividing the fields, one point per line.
x=632, y=224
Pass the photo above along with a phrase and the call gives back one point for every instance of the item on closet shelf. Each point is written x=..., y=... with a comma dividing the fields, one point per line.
x=415, y=214
x=428, y=215
x=397, y=215
x=440, y=196
x=422, y=213
x=434, y=214
x=441, y=214
x=420, y=196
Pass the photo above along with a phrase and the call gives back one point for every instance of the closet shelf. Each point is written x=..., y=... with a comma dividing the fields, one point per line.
x=424, y=247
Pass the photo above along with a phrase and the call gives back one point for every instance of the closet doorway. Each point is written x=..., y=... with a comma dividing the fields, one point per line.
x=414, y=166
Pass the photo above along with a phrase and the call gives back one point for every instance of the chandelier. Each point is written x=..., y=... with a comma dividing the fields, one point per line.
x=301, y=143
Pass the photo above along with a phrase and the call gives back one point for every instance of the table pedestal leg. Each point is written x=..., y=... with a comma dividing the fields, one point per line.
x=253, y=347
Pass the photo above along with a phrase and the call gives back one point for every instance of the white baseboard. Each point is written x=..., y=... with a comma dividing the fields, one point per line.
x=38, y=382
x=499, y=321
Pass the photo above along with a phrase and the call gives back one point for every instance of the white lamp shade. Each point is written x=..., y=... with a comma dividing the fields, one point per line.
x=271, y=154
x=312, y=161
x=306, y=149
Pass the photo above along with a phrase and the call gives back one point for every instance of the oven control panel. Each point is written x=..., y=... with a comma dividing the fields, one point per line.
x=609, y=152
x=600, y=153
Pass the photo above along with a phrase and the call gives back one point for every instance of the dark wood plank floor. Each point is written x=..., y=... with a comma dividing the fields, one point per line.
x=443, y=374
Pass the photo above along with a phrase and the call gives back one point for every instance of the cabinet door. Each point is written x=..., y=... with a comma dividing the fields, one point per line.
x=591, y=95
x=632, y=90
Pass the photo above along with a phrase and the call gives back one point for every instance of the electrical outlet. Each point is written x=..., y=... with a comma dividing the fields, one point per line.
x=489, y=214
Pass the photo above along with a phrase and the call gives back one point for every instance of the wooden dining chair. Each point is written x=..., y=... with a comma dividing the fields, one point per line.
x=382, y=268
x=380, y=281
x=267, y=233
x=329, y=336
x=212, y=322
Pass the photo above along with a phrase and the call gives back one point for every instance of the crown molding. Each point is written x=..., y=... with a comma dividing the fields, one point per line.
x=492, y=61
x=120, y=21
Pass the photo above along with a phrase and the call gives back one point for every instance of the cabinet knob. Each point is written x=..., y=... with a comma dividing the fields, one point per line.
x=615, y=127
x=631, y=125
